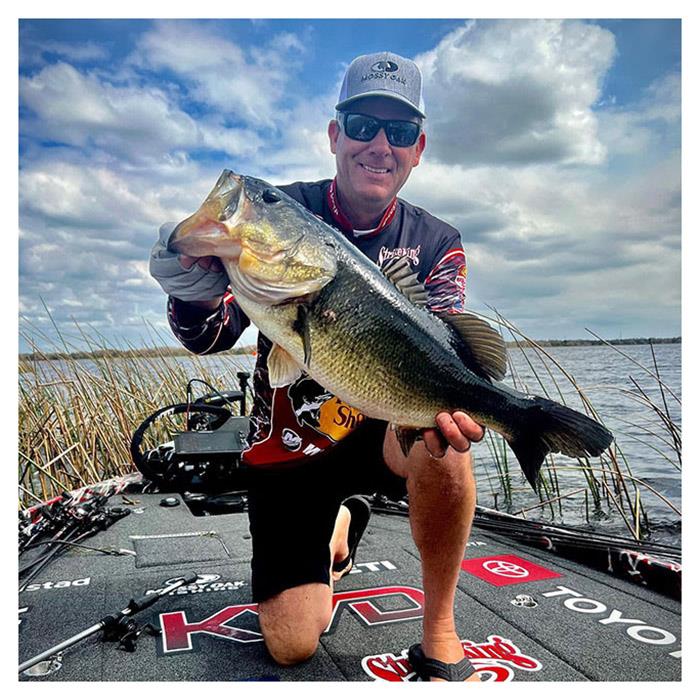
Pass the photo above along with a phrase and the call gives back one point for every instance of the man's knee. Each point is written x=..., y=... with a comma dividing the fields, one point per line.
x=292, y=622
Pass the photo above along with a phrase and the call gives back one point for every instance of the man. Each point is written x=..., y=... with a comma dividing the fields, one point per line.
x=305, y=522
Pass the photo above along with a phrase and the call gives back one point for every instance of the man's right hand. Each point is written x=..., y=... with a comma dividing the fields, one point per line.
x=201, y=281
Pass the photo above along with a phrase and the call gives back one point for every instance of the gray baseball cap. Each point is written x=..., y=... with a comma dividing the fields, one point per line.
x=383, y=74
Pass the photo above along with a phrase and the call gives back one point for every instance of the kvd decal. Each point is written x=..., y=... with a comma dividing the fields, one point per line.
x=494, y=660
x=179, y=632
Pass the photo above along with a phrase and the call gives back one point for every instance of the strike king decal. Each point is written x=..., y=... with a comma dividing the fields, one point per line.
x=635, y=628
x=179, y=632
x=506, y=570
x=494, y=660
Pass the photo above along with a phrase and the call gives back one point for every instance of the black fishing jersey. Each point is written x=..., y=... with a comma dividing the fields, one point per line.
x=294, y=423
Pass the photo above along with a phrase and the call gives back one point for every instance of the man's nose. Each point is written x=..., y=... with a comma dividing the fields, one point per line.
x=380, y=142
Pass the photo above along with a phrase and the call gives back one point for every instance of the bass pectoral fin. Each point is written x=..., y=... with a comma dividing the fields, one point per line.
x=283, y=368
x=407, y=437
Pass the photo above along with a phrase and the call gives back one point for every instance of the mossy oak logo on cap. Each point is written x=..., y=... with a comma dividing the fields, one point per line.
x=387, y=66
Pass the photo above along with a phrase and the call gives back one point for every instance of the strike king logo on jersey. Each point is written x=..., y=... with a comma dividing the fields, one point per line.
x=494, y=660
x=305, y=420
x=388, y=254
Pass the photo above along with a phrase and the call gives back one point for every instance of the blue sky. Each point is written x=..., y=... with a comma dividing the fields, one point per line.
x=554, y=146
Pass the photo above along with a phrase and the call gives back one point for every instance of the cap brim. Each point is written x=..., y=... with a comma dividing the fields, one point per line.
x=379, y=93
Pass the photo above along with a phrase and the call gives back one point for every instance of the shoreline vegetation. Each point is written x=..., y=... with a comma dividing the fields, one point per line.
x=76, y=420
x=110, y=353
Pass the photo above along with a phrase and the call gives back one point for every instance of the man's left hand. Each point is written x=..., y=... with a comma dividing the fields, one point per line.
x=456, y=430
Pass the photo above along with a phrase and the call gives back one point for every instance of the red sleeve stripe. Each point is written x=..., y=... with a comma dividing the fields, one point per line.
x=452, y=256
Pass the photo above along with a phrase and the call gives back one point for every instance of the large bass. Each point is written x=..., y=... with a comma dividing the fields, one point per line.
x=364, y=333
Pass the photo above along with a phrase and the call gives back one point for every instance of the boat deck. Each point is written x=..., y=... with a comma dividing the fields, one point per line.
x=585, y=624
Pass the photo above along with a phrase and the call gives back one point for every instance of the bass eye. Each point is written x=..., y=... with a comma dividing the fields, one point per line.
x=270, y=196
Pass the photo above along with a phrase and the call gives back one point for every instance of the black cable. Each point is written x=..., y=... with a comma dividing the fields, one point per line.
x=210, y=387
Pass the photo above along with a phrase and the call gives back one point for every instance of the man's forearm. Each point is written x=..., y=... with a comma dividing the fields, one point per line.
x=210, y=304
x=206, y=327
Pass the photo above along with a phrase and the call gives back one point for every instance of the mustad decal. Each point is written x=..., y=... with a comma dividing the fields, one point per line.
x=51, y=585
x=496, y=659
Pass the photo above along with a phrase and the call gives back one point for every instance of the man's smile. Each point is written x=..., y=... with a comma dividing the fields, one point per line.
x=377, y=171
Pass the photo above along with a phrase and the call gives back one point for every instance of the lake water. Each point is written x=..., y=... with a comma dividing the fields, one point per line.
x=606, y=377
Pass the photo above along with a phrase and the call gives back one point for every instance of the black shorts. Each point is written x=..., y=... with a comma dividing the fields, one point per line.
x=292, y=511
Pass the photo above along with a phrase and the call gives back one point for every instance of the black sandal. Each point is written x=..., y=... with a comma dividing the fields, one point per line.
x=426, y=668
x=360, y=512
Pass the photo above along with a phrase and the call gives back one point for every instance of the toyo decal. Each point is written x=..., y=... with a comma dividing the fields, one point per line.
x=494, y=660
x=635, y=628
x=179, y=631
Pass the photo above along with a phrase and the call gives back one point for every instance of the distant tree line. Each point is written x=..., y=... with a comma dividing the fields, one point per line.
x=585, y=342
x=111, y=354
x=249, y=349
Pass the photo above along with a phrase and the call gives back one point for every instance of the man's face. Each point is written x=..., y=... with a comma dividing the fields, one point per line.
x=374, y=171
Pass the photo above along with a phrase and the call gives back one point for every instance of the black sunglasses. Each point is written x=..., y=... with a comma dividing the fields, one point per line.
x=360, y=127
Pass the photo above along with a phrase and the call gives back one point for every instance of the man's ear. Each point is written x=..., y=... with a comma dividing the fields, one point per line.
x=333, y=133
x=420, y=147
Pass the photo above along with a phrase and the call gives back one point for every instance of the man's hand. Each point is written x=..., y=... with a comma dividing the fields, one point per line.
x=208, y=263
x=456, y=430
x=199, y=280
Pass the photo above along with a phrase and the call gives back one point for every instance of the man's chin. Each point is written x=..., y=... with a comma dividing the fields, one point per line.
x=375, y=192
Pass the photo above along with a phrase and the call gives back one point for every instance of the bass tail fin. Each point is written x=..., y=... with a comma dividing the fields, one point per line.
x=551, y=427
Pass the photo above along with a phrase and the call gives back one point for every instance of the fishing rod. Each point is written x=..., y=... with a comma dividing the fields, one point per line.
x=118, y=626
x=71, y=526
x=535, y=531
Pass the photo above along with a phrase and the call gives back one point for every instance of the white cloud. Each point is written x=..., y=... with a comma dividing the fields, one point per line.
x=651, y=124
x=126, y=122
x=248, y=85
x=517, y=92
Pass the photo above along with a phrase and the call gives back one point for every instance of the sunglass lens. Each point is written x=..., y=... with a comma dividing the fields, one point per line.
x=402, y=134
x=361, y=128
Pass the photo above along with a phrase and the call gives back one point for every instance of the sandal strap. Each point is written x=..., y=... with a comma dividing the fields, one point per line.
x=426, y=668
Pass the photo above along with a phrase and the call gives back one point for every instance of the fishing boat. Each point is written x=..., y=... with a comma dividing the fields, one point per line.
x=146, y=577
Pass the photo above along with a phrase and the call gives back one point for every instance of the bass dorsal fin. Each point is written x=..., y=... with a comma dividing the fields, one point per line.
x=398, y=272
x=485, y=347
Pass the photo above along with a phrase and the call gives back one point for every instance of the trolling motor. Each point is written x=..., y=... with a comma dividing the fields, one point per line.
x=195, y=445
x=118, y=627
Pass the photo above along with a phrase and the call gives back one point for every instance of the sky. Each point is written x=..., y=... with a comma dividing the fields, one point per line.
x=554, y=146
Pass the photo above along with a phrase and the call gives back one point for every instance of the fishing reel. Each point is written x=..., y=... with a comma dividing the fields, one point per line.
x=195, y=445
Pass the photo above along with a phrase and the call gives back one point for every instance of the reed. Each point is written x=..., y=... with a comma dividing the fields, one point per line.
x=607, y=482
x=76, y=417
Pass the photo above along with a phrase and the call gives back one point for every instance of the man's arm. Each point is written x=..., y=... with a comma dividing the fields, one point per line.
x=203, y=330
x=201, y=311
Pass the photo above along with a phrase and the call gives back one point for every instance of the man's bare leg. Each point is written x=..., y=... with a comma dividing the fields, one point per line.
x=442, y=498
x=293, y=621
